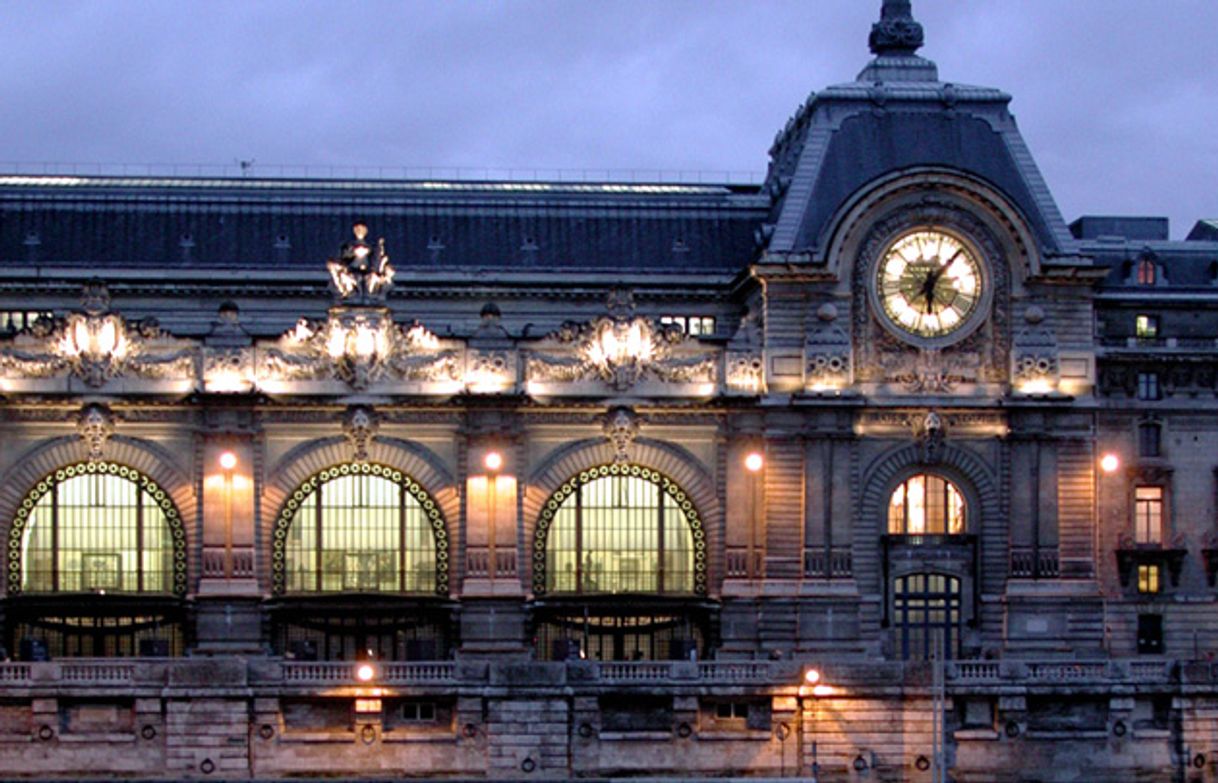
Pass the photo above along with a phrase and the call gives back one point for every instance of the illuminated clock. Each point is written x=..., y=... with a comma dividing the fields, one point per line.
x=930, y=284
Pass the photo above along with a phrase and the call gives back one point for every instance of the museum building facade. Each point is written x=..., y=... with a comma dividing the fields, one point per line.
x=875, y=469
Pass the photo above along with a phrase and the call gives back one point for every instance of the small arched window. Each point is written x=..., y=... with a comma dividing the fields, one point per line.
x=926, y=504
x=97, y=527
x=360, y=528
x=620, y=529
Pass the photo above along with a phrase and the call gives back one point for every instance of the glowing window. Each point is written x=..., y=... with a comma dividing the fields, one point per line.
x=360, y=528
x=693, y=325
x=1148, y=579
x=926, y=504
x=1146, y=327
x=97, y=527
x=620, y=529
x=1148, y=515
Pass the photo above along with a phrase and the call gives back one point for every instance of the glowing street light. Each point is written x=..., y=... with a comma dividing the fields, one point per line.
x=493, y=461
x=754, y=462
x=1110, y=462
x=228, y=460
x=365, y=672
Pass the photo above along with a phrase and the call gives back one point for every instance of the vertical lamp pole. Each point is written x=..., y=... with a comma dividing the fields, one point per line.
x=938, y=698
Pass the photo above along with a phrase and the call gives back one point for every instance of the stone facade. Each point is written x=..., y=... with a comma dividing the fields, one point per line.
x=995, y=494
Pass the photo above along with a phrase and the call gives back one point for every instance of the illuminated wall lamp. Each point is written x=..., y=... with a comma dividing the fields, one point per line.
x=493, y=461
x=754, y=462
x=365, y=672
x=228, y=460
x=1109, y=463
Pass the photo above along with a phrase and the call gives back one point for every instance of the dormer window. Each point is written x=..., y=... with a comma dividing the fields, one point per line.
x=1147, y=274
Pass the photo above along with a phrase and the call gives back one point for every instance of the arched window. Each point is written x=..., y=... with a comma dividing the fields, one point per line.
x=97, y=527
x=926, y=504
x=107, y=531
x=619, y=529
x=360, y=528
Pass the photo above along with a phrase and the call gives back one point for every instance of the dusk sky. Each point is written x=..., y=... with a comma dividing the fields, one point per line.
x=1118, y=99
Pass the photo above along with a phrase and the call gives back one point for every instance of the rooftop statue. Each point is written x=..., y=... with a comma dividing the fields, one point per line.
x=361, y=272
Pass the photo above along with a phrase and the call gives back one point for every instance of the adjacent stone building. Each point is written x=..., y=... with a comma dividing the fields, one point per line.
x=591, y=479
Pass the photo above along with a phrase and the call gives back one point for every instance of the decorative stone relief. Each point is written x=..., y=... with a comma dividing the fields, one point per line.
x=490, y=358
x=360, y=346
x=95, y=425
x=929, y=434
x=360, y=425
x=828, y=352
x=96, y=345
x=621, y=428
x=745, y=370
x=1034, y=357
x=621, y=349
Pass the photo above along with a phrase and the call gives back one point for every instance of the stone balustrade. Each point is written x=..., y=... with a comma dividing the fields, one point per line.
x=273, y=672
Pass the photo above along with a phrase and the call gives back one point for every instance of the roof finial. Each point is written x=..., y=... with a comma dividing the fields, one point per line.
x=896, y=33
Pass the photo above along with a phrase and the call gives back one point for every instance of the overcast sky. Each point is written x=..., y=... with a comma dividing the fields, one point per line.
x=1118, y=99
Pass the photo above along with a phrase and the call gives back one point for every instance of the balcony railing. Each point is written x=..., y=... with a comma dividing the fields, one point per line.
x=835, y=563
x=337, y=673
x=1034, y=563
x=478, y=562
x=1145, y=343
x=744, y=564
x=155, y=674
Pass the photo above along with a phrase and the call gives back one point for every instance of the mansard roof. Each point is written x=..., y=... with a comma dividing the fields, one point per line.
x=898, y=116
x=285, y=223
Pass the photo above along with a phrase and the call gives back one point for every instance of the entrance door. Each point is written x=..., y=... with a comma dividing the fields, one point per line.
x=924, y=606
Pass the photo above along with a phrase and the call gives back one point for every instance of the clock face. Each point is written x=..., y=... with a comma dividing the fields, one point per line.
x=929, y=284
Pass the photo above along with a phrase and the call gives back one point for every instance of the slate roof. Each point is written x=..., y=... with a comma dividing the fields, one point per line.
x=269, y=223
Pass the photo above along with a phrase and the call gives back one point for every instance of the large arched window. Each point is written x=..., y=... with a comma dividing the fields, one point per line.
x=353, y=529
x=619, y=529
x=107, y=531
x=360, y=528
x=97, y=527
x=926, y=504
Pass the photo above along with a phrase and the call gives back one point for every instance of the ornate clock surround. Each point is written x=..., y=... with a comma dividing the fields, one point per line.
x=970, y=321
x=975, y=353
